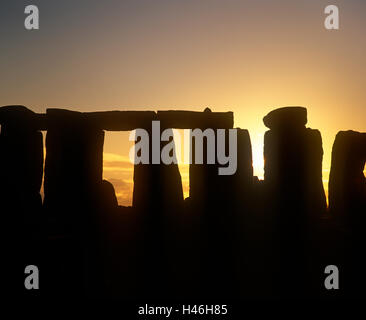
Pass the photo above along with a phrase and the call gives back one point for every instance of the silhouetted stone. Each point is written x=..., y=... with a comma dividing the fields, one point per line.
x=235, y=237
x=293, y=167
x=121, y=120
x=74, y=161
x=157, y=186
x=108, y=195
x=293, y=178
x=73, y=178
x=157, y=202
x=347, y=205
x=192, y=119
x=106, y=120
x=286, y=117
x=208, y=187
x=219, y=204
x=203, y=178
x=22, y=118
x=244, y=171
x=317, y=204
x=347, y=184
x=21, y=171
x=117, y=120
x=18, y=117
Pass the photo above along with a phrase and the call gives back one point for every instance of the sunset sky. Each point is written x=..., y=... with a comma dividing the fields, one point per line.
x=249, y=57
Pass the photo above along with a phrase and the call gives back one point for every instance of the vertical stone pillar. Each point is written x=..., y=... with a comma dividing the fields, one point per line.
x=347, y=205
x=347, y=184
x=73, y=180
x=158, y=202
x=207, y=187
x=157, y=186
x=217, y=205
x=293, y=178
x=21, y=170
x=293, y=161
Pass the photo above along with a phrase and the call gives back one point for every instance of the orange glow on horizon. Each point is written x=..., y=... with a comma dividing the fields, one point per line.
x=188, y=55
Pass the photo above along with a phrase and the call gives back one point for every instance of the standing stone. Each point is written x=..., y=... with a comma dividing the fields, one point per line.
x=157, y=186
x=347, y=184
x=157, y=202
x=73, y=179
x=208, y=188
x=347, y=205
x=216, y=205
x=293, y=162
x=244, y=174
x=205, y=185
x=286, y=117
x=293, y=178
x=21, y=171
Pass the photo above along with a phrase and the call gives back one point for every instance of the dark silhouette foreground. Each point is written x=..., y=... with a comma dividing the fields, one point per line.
x=234, y=237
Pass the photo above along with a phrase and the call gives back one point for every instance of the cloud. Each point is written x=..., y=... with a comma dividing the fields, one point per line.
x=115, y=157
x=118, y=170
x=123, y=190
